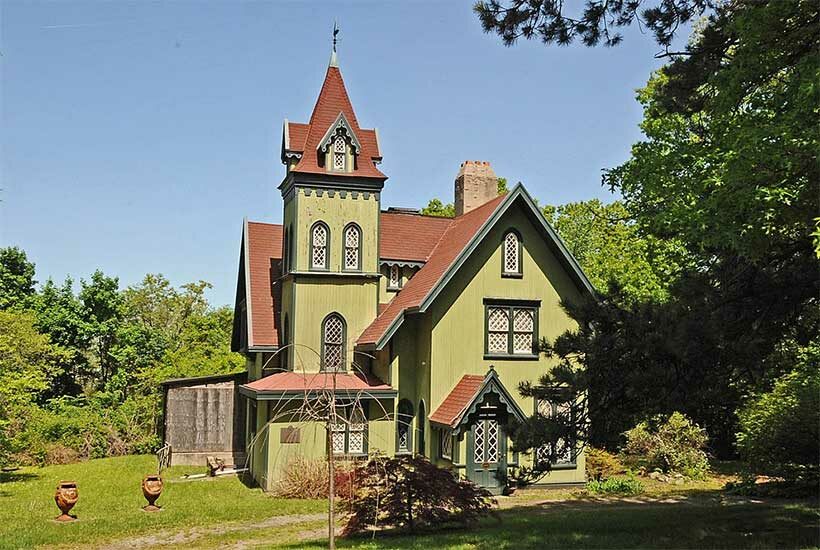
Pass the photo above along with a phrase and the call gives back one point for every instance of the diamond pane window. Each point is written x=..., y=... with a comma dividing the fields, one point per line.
x=492, y=441
x=478, y=443
x=512, y=254
x=333, y=340
x=348, y=432
x=319, y=246
x=523, y=325
x=542, y=455
x=446, y=444
x=404, y=421
x=394, y=281
x=352, y=242
x=511, y=329
x=498, y=325
x=355, y=436
x=563, y=450
x=339, y=153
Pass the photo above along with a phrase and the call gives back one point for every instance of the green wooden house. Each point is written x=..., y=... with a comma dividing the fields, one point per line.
x=420, y=327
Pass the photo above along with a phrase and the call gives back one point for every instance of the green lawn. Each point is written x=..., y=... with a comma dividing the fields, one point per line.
x=222, y=512
x=624, y=526
x=111, y=500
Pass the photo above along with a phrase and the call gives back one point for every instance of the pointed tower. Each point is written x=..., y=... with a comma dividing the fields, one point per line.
x=331, y=194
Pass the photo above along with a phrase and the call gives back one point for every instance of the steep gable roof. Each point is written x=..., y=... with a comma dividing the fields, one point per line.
x=465, y=397
x=457, y=235
x=333, y=101
x=458, y=242
x=261, y=255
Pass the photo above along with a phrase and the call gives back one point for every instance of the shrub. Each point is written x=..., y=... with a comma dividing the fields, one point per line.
x=410, y=492
x=670, y=444
x=306, y=478
x=780, y=430
x=303, y=478
x=616, y=486
x=601, y=464
x=70, y=429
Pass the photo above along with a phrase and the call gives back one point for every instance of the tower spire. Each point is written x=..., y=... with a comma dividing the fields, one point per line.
x=333, y=61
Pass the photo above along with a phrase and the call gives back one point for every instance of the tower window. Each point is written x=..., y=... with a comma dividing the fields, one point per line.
x=511, y=260
x=333, y=343
x=352, y=252
x=339, y=154
x=320, y=238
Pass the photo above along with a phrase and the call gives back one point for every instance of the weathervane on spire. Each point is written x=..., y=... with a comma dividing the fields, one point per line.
x=333, y=61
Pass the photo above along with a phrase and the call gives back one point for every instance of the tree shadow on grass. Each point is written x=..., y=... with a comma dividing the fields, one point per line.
x=621, y=525
x=12, y=476
x=15, y=475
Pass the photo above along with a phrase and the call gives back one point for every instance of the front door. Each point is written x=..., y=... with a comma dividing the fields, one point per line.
x=486, y=450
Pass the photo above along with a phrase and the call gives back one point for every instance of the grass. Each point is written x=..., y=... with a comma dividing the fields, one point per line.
x=622, y=526
x=223, y=512
x=111, y=500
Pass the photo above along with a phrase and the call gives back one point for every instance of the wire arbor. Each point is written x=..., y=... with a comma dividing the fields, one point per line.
x=340, y=411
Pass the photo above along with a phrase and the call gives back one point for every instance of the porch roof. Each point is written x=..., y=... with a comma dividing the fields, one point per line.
x=467, y=395
x=286, y=384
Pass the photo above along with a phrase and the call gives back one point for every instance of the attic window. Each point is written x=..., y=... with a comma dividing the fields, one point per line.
x=511, y=259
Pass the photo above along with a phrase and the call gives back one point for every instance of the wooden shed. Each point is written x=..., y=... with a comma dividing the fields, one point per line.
x=204, y=416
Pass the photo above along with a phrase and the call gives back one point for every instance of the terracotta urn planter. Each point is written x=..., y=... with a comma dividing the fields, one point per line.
x=66, y=497
x=151, y=488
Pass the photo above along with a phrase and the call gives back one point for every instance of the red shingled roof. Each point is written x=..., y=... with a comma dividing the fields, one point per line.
x=297, y=134
x=333, y=99
x=264, y=256
x=457, y=400
x=458, y=234
x=298, y=382
x=409, y=237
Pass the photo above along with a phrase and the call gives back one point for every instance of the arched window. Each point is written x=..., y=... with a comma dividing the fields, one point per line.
x=333, y=342
x=511, y=260
x=339, y=154
x=319, y=246
x=352, y=251
x=404, y=427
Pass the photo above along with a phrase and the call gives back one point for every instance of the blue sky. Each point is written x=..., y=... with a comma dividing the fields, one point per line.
x=136, y=136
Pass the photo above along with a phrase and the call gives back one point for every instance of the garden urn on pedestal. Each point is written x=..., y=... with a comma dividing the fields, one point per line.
x=66, y=497
x=151, y=488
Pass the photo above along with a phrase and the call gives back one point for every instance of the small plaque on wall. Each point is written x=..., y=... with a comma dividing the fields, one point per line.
x=290, y=435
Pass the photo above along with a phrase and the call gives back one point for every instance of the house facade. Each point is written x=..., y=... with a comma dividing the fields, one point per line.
x=419, y=328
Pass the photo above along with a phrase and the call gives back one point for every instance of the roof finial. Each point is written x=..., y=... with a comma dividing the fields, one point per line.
x=333, y=61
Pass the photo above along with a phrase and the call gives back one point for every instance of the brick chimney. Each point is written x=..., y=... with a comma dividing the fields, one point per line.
x=476, y=184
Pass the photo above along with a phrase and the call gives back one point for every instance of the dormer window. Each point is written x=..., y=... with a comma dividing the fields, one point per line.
x=338, y=148
x=394, y=280
x=339, y=154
